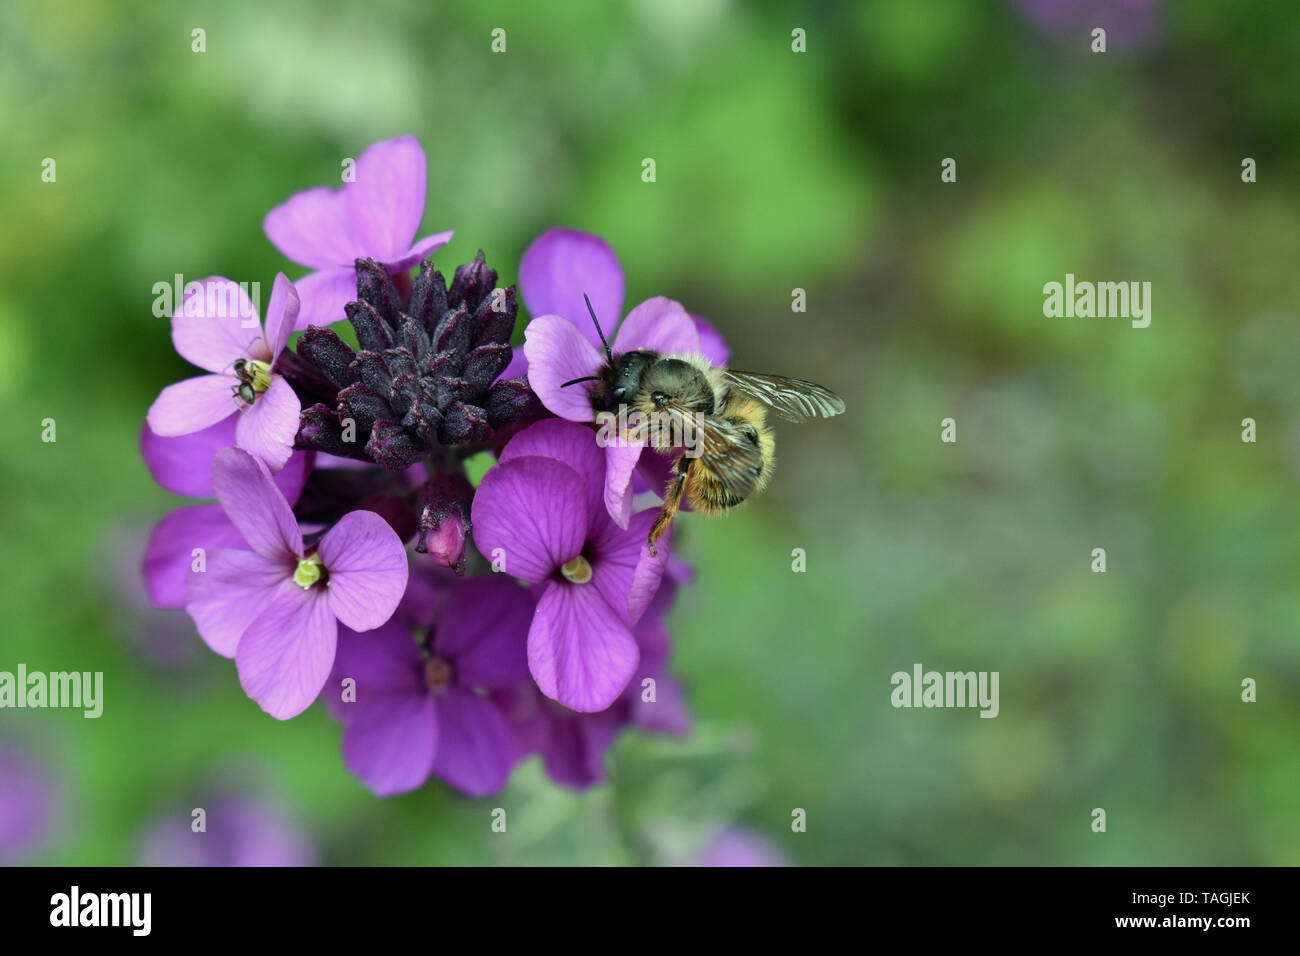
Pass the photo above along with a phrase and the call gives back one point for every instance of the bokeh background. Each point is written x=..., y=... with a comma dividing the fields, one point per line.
x=776, y=171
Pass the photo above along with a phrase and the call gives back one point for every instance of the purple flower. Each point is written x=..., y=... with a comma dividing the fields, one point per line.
x=373, y=217
x=538, y=515
x=28, y=804
x=734, y=846
x=1127, y=22
x=573, y=745
x=239, y=831
x=275, y=609
x=210, y=331
x=561, y=343
x=419, y=709
x=184, y=465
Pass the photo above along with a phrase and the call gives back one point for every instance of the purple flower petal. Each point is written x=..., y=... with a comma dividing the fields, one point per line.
x=712, y=346
x=418, y=252
x=216, y=324
x=324, y=294
x=571, y=443
x=620, y=464
x=391, y=739
x=229, y=593
x=658, y=324
x=192, y=404
x=559, y=267
x=313, y=228
x=385, y=659
x=183, y=463
x=169, y=553
x=739, y=848
x=267, y=429
x=624, y=570
x=534, y=510
x=580, y=651
x=286, y=654
x=281, y=315
x=386, y=201
x=574, y=752
x=558, y=353
x=255, y=505
x=367, y=569
x=483, y=630
x=475, y=752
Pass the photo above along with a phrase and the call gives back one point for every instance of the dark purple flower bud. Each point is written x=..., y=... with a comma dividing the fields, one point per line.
x=425, y=377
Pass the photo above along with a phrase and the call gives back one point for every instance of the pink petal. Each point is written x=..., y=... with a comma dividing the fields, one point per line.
x=170, y=551
x=191, y=405
x=216, y=324
x=255, y=505
x=620, y=463
x=267, y=429
x=534, y=510
x=712, y=346
x=386, y=201
x=571, y=443
x=418, y=252
x=580, y=651
x=484, y=629
x=183, y=463
x=229, y=593
x=313, y=228
x=559, y=267
x=624, y=570
x=660, y=325
x=286, y=654
x=323, y=295
x=558, y=353
x=367, y=569
x=475, y=753
x=391, y=739
x=281, y=315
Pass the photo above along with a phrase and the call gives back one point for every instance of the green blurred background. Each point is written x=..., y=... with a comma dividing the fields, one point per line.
x=776, y=170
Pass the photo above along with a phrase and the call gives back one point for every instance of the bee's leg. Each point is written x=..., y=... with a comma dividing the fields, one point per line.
x=672, y=501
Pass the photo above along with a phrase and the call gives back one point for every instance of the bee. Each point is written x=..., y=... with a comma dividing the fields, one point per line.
x=717, y=415
x=253, y=378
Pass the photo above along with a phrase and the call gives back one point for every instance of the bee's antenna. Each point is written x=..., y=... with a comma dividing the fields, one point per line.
x=608, y=355
x=585, y=378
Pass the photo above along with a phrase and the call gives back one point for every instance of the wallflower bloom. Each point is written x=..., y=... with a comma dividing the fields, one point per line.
x=418, y=711
x=213, y=336
x=28, y=804
x=373, y=217
x=241, y=831
x=275, y=609
x=540, y=510
x=184, y=465
x=561, y=344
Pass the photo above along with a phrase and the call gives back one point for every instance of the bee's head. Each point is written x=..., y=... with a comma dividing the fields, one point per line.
x=625, y=379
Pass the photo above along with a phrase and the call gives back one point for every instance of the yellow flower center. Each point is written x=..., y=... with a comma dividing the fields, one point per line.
x=308, y=572
x=577, y=570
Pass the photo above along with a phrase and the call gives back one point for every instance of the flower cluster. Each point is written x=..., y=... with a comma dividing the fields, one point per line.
x=330, y=557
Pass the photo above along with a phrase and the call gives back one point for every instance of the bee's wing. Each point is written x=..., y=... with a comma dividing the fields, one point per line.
x=792, y=398
x=722, y=448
